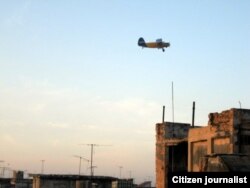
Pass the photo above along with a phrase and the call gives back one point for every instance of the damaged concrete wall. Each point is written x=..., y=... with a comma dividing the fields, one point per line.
x=227, y=132
x=161, y=160
x=213, y=164
x=242, y=131
x=170, y=146
x=226, y=163
x=216, y=137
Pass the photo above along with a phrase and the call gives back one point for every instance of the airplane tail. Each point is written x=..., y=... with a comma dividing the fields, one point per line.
x=141, y=42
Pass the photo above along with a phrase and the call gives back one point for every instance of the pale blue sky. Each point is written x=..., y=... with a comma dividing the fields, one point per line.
x=71, y=73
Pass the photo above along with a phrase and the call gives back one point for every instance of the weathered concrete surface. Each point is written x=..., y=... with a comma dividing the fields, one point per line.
x=227, y=132
x=225, y=163
x=70, y=181
x=168, y=136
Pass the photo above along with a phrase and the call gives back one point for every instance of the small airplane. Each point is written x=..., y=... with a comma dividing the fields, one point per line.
x=157, y=44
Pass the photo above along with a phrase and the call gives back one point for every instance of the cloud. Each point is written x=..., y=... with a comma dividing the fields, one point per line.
x=51, y=120
x=58, y=125
x=8, y=139
x=55, y=142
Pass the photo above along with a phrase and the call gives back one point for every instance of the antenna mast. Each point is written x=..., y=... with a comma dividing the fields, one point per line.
x=91, y=157
x=80, y=157
x=173, y=101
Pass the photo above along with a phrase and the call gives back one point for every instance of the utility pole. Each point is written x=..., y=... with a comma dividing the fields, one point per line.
x=173, y=125
x=193, y=114
x=91, y=156
x=80, y=157
x=120, y=167
x=130, y=174
x=2, y=175
x=42, y=168
x=173, y=101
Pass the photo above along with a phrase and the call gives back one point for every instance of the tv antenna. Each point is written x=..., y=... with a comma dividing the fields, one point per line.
x=120, y=170
x=80, y=157
x=42, y=167
x=173, y=101
x=91, y=156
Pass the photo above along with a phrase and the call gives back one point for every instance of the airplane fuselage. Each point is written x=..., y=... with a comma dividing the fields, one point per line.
x=158, y=44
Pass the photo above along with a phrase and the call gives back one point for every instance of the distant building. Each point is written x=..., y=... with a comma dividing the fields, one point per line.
x=5, y=182
x=17, y=181
x=145, y=184
x=222, y=145
x=123, y=183
x=71, y=181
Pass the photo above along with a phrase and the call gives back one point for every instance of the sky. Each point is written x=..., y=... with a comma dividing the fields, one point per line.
x=72, y=74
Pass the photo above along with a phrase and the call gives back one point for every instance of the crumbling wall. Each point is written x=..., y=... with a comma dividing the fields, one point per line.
x=227, y=132
x=217, y=137
x=161, y=160
x=213, y=164
x=242, y=131
x=226, y=163
x=171, y=150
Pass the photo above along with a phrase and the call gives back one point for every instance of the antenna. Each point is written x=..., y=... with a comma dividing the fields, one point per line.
x=91, y=156
x=173, y=101
x=163, y=114
x=130, y=174
x=120, y=167
x=193, y=114
x=42, y=170
x=80, y=157
x=2, y=175
x=173, y=125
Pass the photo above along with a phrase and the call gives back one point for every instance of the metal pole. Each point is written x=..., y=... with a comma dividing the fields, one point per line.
x=173, y=125
x=91, y=157
x=173, y=100
x=42, y=170
x=130, y=174
x=80, y=166
x=193, y=114
x=80, y=163
x=2, y=175
x=91, y=161
x=120, y=171
x=163, y=114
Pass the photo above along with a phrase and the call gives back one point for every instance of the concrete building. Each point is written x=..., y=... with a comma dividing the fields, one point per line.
x=145, y=184
x=123, y=183
x=17, y=181
x=5, y=183
x=71, y=181
x=171, y=150
x=222, y=145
